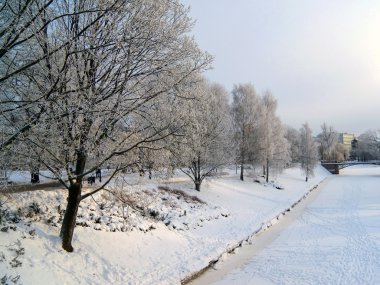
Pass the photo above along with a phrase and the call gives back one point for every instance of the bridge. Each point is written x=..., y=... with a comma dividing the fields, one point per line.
x=335, y=166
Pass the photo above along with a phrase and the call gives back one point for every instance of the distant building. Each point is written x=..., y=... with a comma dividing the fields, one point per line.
x=346, y=140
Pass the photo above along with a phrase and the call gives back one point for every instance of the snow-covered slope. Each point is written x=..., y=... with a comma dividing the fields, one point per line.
x=166, y=236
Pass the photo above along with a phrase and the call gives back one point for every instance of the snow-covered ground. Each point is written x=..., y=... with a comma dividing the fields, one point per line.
x=166, y=236
x=335, y=241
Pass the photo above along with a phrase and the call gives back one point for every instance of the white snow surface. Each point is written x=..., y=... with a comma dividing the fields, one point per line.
x=335, y=241
x=177, y=236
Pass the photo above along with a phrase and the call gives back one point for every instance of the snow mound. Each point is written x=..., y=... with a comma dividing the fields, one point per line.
x=133, y=209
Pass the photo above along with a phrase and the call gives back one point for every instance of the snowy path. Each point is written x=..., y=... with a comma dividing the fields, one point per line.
x=335, y=241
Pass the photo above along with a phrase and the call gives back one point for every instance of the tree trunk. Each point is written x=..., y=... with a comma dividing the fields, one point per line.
x=198, y=173
x=69, y=220
x=306, y=179
x=267, y=171
x=75, y=191
x=197, y=185
x=242, y=159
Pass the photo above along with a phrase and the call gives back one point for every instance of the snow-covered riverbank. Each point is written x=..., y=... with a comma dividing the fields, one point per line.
x=180, y=237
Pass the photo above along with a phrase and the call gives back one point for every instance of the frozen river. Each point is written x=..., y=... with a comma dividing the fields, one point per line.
x=333, y=239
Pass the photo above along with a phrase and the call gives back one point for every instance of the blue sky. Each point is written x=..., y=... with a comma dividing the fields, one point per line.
x=320, y=58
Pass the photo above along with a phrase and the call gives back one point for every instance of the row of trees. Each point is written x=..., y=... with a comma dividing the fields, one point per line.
x=364, y=147
x=258, y=132
x=247, y=132
x=89, y=84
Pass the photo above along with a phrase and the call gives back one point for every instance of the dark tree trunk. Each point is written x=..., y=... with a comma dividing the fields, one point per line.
x=306, y=179
x=69, y=220
x=242, y=161
x=197, y=172
x=242, y=154
x=267, y=171
x=73, y=200
x=197, y=185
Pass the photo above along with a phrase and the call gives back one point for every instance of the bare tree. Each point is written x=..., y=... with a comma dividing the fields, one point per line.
x=339, y=153
x=368, y=146
x=275, y=149
x=114, y=75
x=245, y=116
x=293, y=137
x=308, y=151
x=206, y=145
x=327, y=141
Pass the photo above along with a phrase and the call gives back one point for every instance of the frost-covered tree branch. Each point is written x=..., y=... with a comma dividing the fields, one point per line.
x=206, y=144
x=308, y=151
x=103, y=75
x=245, y=111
